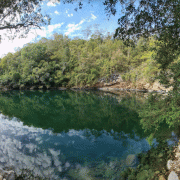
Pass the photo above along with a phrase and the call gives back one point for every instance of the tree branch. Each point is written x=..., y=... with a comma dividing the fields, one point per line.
x=19, y=25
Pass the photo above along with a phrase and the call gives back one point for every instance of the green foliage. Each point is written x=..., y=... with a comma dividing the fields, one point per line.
x=21, y=16
x=158, y=109
x=60, y=61
x=159, y=18
x=144, y=66
x=150, y=139
x=152, y=164
x=72, y=108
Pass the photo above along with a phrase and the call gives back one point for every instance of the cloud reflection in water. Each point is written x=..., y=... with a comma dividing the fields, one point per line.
x=49, y=155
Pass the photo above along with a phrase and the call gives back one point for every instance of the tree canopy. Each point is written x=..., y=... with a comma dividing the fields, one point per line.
x=19, y=16
x=160, y=18
x=151, y=17
x=60, y=61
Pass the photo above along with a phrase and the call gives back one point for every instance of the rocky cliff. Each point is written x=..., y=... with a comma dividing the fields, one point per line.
x=117, y=83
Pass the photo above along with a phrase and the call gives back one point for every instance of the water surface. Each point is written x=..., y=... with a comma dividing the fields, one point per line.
x=52, y=132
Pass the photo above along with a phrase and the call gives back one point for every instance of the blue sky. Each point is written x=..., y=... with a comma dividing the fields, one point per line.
x=65, y=20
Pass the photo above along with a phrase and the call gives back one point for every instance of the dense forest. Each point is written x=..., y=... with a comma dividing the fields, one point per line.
x=64, y=62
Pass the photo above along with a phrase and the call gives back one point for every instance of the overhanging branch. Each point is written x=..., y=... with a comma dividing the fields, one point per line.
x=19, y=25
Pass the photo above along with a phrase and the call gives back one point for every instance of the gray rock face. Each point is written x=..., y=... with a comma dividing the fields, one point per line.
x=7, y=175
x=173, y=176
x=114, y=78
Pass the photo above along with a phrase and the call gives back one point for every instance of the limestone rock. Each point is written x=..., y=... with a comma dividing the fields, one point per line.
x=107, y=84
x=9, y=175
x=177, y=155
x=173, y=176
x=119, y=79
x=147, y=85
x=174, y=165
x=169, y=164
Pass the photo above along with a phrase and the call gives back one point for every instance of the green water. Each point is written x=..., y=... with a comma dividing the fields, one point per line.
x=52, y=133
x=64, y=110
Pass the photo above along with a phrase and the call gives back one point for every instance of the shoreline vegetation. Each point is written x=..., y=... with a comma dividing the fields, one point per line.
x=111, y=86
x=101, y=61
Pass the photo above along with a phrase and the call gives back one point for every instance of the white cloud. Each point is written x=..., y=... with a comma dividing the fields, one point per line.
x=74, y=27
x=56, y=12
x=67, y=11
x=53, y=3
x=70, y=25
x=69, y=15
x=9, y=46
x=93, y=16
x=76, y=35
x=51, y=28
x=82, y=21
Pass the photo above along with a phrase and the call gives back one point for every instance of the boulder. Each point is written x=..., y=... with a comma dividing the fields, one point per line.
x=169, y=164
x=173, y=176
x=174, y=165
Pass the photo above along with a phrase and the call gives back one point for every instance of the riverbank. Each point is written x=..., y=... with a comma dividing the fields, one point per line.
x=141, y=85
x=113, y=85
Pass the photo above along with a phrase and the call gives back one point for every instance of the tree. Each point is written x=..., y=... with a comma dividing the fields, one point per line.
x=152, y=17
x=160, y=18
x=19, y=16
